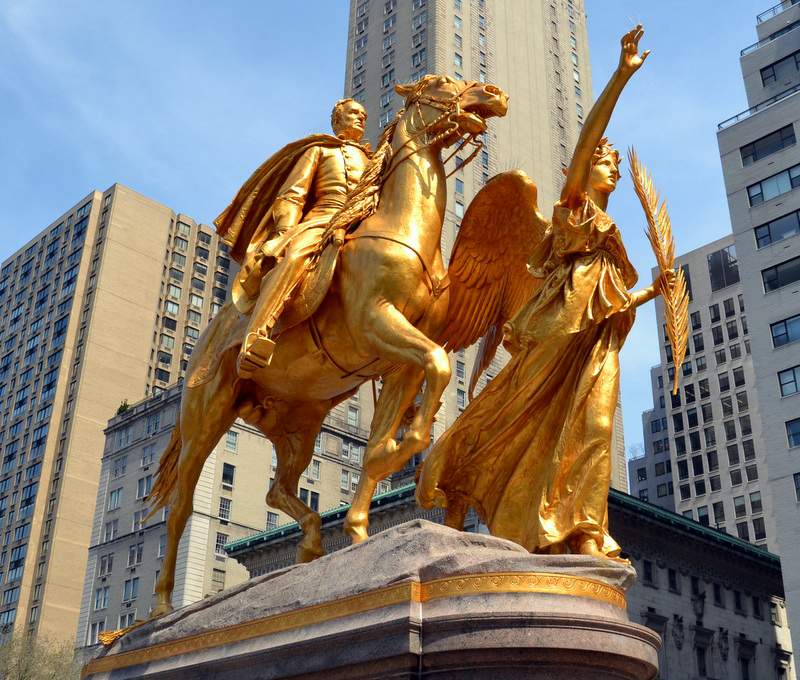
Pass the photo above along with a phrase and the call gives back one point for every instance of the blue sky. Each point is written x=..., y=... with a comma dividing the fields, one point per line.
x=181, y=100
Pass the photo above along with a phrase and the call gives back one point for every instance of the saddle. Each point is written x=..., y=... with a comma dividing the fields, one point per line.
x=228, y=329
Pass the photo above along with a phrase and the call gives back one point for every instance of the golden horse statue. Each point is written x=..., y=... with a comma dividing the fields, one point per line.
x=388, y=298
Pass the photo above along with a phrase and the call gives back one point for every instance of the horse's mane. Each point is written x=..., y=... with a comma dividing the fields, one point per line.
x=363, y=200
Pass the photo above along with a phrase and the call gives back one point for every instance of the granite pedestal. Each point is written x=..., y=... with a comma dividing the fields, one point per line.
x=416, y=601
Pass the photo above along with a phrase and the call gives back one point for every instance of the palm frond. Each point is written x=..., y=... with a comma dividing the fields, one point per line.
x=659, y=233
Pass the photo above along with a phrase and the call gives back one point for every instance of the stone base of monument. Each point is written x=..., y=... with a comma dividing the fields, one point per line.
x=416, y=601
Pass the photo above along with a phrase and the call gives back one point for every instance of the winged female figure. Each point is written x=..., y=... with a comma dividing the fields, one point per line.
x=532, y=452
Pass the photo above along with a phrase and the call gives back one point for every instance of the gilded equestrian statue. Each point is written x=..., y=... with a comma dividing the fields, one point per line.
x=389, y=296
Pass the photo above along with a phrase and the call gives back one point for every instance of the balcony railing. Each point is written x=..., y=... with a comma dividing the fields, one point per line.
x=775, y=10
x=770, y=38
x=758, y=107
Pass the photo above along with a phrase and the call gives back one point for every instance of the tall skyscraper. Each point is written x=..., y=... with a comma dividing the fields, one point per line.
x=650, y=474
x=704, y=441
x=536, y=51
x=102, y=306
x=761, y=166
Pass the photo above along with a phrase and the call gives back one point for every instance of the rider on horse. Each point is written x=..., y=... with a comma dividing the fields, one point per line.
x=275, y=223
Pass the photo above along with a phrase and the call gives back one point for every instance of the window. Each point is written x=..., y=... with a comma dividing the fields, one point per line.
x=777, y=184
x=148, y=455
x=767, y=145
x=723, y=269
x=130, y=590
x=353, y=416
x=696, y=321
x=739, y=506
x=743, y=531
x=796, y=478
x=106, y=564
x=789, y=381
x=143, y=486
x=719, y=512
x=94, y=630
x=713, y=310
x=759, y=529
x=648, y=574
x=736, y=477
x=783, y=274
x=716, y=334
x=114, y=499
x=781, y=70
x=135, y=554
x=228, y=473
x=231, y=441
x=272, y=520
x=219, y=544
x=225, y=508
x=153, y=423
x=100, y=598
x=778, y=229
x=785, y=331
x=673, y=581
x=752, y=473
x=793, y=432
x=110, y=530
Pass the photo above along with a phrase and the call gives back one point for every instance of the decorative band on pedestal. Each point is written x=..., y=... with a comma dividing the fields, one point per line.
x=407, y=592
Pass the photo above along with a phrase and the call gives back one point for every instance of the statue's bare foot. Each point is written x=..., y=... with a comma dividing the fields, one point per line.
x=588, y=546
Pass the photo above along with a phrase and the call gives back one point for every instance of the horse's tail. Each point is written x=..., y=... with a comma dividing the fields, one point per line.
x=167, y=476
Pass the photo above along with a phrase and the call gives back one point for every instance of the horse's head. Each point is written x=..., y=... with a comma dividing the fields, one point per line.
x=447, y=109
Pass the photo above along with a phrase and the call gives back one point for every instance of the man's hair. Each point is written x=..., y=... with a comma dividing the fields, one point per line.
x=336, y=108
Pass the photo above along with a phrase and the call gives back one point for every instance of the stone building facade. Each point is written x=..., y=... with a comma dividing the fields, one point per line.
x=761, y=167
x=711, y=449
x=101, y=306
x=126, y=549
x=716, y=601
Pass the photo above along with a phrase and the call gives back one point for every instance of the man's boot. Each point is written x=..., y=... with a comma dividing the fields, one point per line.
x=256, y=353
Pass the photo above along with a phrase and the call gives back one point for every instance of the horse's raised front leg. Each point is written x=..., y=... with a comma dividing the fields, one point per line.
x=294, y=447
x=381, y=457
x=391, y=336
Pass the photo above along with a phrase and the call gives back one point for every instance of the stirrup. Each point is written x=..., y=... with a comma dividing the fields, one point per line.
x=256, y=353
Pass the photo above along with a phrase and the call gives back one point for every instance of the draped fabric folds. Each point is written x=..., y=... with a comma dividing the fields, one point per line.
x=532, y=453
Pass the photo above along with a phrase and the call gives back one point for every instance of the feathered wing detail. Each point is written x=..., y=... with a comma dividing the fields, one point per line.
x=489, y=279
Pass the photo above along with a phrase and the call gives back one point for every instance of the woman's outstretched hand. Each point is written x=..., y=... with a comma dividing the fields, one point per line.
x=629, y=59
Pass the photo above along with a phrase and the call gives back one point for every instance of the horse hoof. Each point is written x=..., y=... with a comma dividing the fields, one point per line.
x=305, y=554
x=357, y=532
x=161, y=610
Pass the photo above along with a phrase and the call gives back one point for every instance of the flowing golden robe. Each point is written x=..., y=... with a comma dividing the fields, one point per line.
x=532, y=452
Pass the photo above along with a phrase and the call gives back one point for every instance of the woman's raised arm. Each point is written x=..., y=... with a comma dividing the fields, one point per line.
x=596, y=122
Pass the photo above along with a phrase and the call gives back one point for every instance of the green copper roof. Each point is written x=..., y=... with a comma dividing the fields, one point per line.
x=615, y=498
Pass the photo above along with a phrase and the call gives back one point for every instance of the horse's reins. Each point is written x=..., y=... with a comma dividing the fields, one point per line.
x=450, y=108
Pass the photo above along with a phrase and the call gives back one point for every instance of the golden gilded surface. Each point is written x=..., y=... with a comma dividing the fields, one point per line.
x=281, y=371
x=532, y=453
x=403, y=593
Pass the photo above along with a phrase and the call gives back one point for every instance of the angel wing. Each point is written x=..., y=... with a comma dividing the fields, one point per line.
x=489, y=280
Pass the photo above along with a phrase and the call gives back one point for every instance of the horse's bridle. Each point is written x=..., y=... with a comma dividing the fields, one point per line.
x=450, y=108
